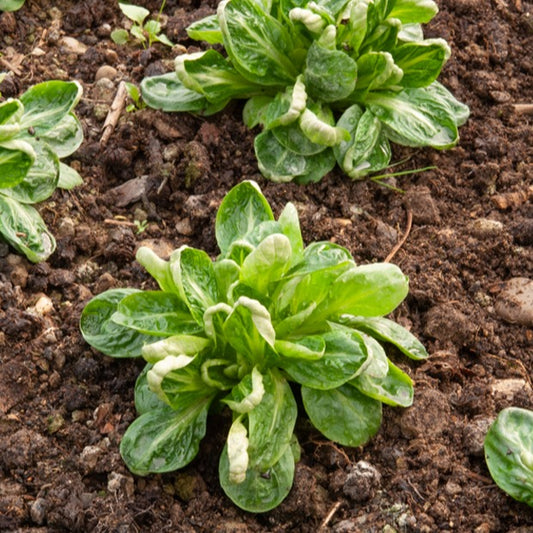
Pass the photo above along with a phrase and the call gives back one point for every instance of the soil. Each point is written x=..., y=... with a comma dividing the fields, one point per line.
x=64, y=406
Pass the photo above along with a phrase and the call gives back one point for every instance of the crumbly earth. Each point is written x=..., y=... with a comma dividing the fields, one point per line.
x=64, y=407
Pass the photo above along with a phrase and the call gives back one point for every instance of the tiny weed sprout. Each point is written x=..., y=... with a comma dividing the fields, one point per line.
x=146, y=33
x=509, y=453
x=36, y=132
x=330, y=82
x=234, y=333
x=11, y=5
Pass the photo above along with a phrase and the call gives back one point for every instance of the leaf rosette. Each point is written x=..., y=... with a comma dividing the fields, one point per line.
x=236, y=331
x=334, y=81
x=36, y=132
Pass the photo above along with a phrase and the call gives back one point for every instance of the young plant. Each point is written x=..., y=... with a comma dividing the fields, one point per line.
x=146, y=33
x=236, y=331
x=330, y=81
x=36, y=132
x=509, y=453
x=11, y=5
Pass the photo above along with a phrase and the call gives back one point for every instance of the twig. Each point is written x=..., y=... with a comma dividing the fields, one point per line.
x=114, y=113
x=112, y=222
x=329, y=516
x=523, y=109
x=10, y=66
x=394, y=251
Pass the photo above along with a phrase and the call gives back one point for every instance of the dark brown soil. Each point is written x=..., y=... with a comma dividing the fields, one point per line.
x=64, y=407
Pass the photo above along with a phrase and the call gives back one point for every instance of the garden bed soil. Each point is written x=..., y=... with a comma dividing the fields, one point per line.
x=468, y=229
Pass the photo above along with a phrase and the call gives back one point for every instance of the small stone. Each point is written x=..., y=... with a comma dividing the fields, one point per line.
x=515, y=303
x=362, y=482
x=509, y=388
x=501, y=97
x=43, y=306
x=66, y=228
x=19, y=275
x=73, y=45
x=422, y=205
x=55, y=423
x=37, y=52
x=485, y=228
x=106, y=71
x=89, y=458
x=183, y=227
x=38, y=511
x=452, y=489
x=474, y=436
x=160, y=247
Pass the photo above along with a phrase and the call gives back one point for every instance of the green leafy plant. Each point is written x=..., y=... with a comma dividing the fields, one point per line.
x=11, y=5
x=329, y=81
x=235, y=331
x=135, y=97
x=509, y=453
x=147, y=33
x=36, y=132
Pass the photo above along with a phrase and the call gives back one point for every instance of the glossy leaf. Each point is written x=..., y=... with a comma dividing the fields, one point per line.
x=414, y=11
x=16, y=158
x=47, y=103
x=206, y=29
x=155, y=313
x=343, y=415
x=106, y=335
x=11, y=5
x=66, y=137
x=145, y=399
x=68, y=177
x=509, y=453
x=23, y=228
x=243, y=208
x=166, y=439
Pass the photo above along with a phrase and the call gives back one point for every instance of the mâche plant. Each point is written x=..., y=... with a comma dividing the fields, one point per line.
x=234, y=333
x=334, y=81
x=36, y=132
x=509, y=453
x=146, y=32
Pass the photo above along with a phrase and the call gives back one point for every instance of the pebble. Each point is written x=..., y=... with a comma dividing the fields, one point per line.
x=43, y=306
x=508, y=388
x=38, y=511
x=184, y=227
x=67, y=228
x=515, y=302
x=362, y=482
x=19, y=275
x=89, y=458
x=485, y=228
x=106, y=71
x=474, y=436
x=73, y=45
x=119, y=482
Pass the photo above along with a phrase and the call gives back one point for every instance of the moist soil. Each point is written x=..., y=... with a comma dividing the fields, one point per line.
x=460, y=231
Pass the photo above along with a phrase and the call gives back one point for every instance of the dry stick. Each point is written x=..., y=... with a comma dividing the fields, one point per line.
x=114, y=113
x=523, y=109
x=403, y=239
x=329, y=516
x=10, y=66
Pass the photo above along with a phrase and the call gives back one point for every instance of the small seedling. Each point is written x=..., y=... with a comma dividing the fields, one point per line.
x=233, y=333
x=146, y=33
x=135, y=97
x=140, y=226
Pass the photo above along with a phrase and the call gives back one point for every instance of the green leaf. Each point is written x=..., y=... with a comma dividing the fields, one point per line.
x=509, y=453
x=260, y=491
x=107, y=336
x=194, y=276
x=68, y=177
x=290, y=226
x=388, y=331
x=318, y=130
x=254, y=110
x=166, y=92
x=415, y=117
x=120, y=36
x=414, y=11
x=10, y=113
x=343, y=415
x=267, y=263
x=367, y=290
x=459, y=111
x=176, y=345
x=135, y=13
x=155, y=313
x=368, y=150
x=206, y=29
x=249, y=330
x=308, y=348
x=343, y=358
x=329, y=74
x=145, y=399
x=23, y=228
x=16, y=158
x=166, y=439
x=421, y=62
x=271, y=423
x=11, y=5
x=40, y=181
x=259, y=46
x=227, y=273
x=247, y=394
x=158, y=268
x=216, y=78
x=242, y=209
x=396, y=388
x=64, y=138
x=47, y=103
